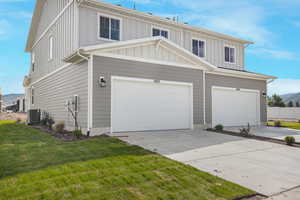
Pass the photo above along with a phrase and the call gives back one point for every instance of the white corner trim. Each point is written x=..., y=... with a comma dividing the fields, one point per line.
x=50, y=74
x=52, y=23
x=90, y=92
x=204, y=95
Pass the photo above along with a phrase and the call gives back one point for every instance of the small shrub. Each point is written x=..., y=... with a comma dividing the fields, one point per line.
x=246, y=131
x=59, y=127
x=290, y=140
x=18, y=120
x=219, y=127
x=277, y=124
x=77, y=133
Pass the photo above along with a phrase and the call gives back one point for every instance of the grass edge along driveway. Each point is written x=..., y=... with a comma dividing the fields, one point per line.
x=284, y=124
x=34, y=165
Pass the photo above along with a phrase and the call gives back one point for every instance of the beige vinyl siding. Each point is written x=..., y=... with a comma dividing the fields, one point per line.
x=137, y=27
x=65, y=35
x=52, y=93
x=108, y=67
x=233, y=82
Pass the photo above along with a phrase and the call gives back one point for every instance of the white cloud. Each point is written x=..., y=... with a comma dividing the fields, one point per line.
x=271, y=53
x=284, y=86
x=243, y=19
x=296, y=23
x=4, y=28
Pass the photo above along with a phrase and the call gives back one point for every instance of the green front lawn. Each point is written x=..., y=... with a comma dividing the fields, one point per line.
x=292, y=125
x=34, y=165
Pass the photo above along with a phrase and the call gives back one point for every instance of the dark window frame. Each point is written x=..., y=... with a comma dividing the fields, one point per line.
x=197, y=49
x=230, y=54
x=113, y=29
x=160, y=32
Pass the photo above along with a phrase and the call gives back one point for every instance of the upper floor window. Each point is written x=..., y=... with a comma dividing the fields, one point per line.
x=199, y=48
x=32, y=61
x=109, y=28
x=160, y=32
x=50, y=55
x=229, y=54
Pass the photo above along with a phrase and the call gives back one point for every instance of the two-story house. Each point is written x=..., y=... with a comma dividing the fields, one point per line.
x=127, y=70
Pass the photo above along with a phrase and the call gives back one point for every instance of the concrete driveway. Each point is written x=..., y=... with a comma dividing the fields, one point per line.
x=267, y=168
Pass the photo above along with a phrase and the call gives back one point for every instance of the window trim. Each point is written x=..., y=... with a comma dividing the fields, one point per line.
x=161, y=29
x=233, y=47
x=50, y=47
x=110, y=17
x=205, y=46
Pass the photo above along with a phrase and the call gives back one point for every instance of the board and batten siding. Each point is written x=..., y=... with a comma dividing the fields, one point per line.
x=137, y=27
x=51, y=9
x=64, y=33
x=233, y=82
x=52, y=93
x=108, y=67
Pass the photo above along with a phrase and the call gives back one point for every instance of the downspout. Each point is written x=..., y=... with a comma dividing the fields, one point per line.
x=204, y=95
x=88, y=59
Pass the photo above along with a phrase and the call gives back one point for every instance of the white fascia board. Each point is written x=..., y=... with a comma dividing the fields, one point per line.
x=241, y=74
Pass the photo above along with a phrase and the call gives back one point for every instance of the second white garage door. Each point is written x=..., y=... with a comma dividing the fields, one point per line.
x=232, y=107
x=143, y=104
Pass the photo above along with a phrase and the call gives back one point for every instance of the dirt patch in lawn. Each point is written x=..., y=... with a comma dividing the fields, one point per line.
x=13, y=116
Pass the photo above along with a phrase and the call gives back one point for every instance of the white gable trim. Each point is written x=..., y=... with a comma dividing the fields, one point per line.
x=160, y=42
x=131, y=58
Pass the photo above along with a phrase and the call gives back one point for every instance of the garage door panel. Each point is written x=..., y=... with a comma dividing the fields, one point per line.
x=147, y=105
x=231, y=107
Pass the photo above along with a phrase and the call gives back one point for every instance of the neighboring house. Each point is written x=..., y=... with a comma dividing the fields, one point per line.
x=131, y=71
x=21, y=105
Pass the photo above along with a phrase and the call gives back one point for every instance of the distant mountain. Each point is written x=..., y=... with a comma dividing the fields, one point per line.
x=294, y=97
x=11, y=98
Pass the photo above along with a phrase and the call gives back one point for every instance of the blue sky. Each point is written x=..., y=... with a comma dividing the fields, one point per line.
x=274, y=26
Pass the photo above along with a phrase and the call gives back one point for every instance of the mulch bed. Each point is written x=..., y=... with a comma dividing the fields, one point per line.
x=255, y=137
x=66, y=136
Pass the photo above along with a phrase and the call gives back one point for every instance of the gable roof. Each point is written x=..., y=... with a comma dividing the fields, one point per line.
x=186, y=57
x=192, y=61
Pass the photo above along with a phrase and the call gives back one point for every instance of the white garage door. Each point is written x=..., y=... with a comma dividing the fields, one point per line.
x=232, y=107
x=143, y=104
